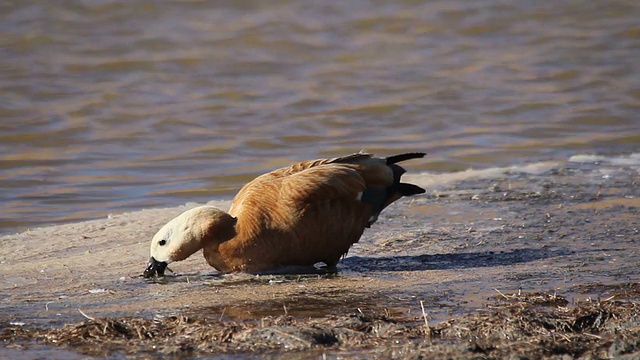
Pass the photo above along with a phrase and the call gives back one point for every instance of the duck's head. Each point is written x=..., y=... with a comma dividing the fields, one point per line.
x=184, y=235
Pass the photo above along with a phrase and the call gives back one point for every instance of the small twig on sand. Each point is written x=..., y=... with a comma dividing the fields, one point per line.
x=501, y=294
x=565, y=337
x=67, y=268
x=424, y=316
x=87, y=316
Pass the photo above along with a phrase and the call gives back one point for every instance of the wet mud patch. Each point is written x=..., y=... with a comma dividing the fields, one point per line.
x=597, y=291
x=318, y=305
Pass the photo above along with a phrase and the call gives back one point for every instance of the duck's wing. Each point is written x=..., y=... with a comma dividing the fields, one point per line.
x=302, y=166
x=381, y=177
x=323, y=182
x=326, y=207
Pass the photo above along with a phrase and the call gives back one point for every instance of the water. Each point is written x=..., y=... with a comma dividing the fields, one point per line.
x=108, y=106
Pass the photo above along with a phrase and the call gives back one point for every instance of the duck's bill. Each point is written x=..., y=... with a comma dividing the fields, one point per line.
x=154, y=268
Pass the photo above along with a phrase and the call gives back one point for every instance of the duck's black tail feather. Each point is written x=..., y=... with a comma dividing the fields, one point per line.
x=402, y=157
x=406, y=189
x=380, y=198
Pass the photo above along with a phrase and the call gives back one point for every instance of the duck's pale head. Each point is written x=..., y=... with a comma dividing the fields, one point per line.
x=184, y=235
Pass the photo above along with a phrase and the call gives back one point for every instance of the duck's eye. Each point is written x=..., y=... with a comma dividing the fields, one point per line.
x=162, y=242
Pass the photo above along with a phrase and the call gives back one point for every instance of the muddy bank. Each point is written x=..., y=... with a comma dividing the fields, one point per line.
x=568, y=228
x=538, y=325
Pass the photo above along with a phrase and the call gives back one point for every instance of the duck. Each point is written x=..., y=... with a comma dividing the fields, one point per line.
x=298, y=216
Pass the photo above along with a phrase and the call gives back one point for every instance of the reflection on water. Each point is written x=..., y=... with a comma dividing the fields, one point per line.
x=109, y=106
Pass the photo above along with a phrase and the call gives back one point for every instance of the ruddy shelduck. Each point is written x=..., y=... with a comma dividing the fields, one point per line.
x=301, y=215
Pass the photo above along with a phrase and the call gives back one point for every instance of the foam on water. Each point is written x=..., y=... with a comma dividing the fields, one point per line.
x=632, y=160
x=609, y=164
x=433, y=181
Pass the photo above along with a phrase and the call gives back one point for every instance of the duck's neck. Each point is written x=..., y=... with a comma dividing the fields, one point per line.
x=217, y=228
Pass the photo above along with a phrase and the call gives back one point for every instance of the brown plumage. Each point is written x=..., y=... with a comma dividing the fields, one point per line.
x=300, y=215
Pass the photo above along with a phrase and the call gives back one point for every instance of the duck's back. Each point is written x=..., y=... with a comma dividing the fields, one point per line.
x=307, y=213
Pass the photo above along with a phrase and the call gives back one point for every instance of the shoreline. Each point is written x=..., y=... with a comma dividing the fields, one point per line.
x=568, y=228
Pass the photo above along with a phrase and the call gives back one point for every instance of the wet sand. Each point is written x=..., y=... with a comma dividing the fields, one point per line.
x=463, y=252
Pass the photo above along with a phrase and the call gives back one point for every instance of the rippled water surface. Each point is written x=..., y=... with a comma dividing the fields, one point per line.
x=107, y=106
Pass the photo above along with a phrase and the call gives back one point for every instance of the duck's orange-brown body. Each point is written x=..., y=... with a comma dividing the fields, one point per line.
x=307, y=213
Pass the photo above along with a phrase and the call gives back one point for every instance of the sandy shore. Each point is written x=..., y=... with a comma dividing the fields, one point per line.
x=570, y=228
